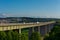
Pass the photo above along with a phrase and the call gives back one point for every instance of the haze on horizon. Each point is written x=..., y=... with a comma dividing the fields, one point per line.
x=30, y=8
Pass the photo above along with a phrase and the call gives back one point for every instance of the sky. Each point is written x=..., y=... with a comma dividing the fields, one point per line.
x=30, y=8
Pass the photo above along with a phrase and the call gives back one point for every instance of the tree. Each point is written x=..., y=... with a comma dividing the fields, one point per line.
x=2, y=35
x=9, y=36
x=35, y=36
x=24, y=36
x=15, y=35
x=54, y=34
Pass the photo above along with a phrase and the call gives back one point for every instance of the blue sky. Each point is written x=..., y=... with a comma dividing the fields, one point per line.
x=30, y=8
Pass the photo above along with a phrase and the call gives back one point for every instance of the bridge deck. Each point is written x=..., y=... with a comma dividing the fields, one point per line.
x=11, y=26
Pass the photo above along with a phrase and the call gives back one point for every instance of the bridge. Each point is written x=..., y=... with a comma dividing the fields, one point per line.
x=41, y=27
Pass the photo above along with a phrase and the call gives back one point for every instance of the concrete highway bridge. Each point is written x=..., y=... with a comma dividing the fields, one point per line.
x=41, y=27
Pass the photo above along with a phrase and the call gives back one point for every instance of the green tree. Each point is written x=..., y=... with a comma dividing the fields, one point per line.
x=54, y=34
x=24, y=36
x=9, y=36
x=15, y=35
x=35, y=36
x=2, y=35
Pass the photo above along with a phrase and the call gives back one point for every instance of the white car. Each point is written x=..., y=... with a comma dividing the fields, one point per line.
x=37, y=22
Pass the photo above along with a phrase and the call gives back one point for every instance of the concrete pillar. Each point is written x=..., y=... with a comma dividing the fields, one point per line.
x=33, y=29
x=37, y=29
x=20, y=33
x=30, y=32
x=20, y=30
x=50, y=27
x=43, y=30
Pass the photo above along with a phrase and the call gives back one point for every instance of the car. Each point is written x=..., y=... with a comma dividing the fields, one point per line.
x=37, y=22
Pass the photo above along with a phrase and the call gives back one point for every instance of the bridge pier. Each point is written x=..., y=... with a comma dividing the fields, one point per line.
x=37, y=29
x=33, y=29
x=46, y=29
x=30, y=32
x=20, y=30
x=43, y=30
x=50, y=27
x=20, y=33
